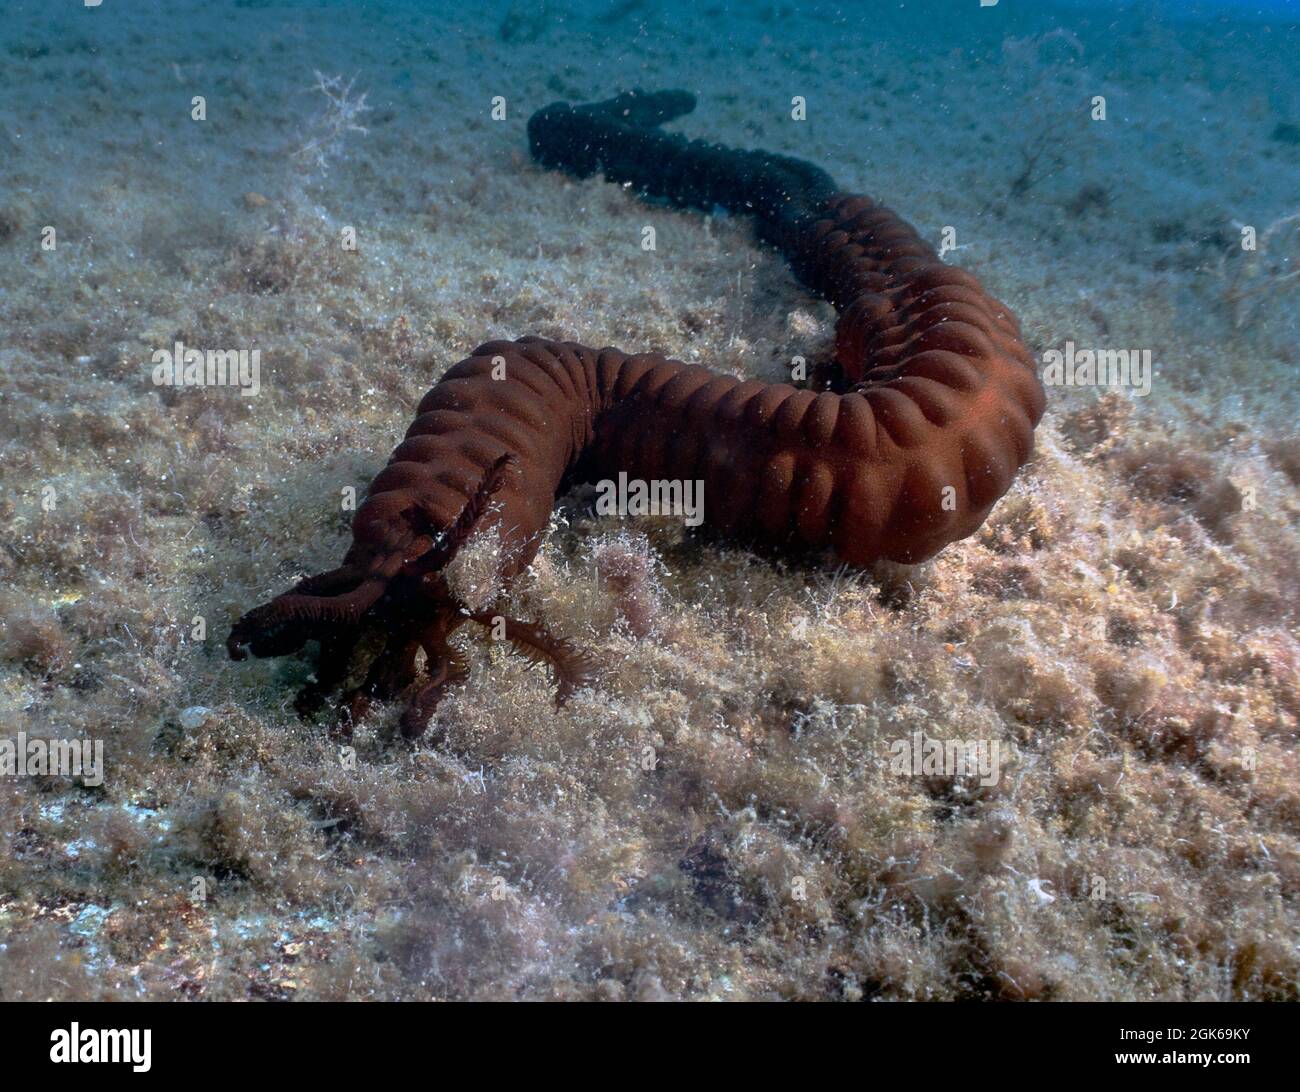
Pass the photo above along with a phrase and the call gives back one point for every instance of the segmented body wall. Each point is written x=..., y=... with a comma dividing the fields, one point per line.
x=933, y=419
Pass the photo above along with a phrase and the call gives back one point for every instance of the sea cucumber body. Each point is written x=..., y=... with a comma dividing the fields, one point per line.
x=934, y=417
x=909, y=460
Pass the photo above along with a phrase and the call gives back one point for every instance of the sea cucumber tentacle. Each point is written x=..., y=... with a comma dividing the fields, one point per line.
x=936, y=416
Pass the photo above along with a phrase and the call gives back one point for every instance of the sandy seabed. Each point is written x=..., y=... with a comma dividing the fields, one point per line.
x=1123, y=627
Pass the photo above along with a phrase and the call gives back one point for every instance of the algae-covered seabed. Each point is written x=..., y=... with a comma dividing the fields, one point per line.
x=1124, y=625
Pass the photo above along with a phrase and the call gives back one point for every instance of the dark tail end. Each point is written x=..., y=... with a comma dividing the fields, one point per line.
x=621, y=138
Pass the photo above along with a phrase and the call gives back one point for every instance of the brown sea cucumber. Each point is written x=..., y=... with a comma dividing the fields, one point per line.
x=932, y=418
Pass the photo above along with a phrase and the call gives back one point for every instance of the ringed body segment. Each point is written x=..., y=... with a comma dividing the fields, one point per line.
x=932, y=418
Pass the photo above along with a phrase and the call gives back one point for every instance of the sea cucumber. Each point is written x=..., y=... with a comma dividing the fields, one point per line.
x=931, y=418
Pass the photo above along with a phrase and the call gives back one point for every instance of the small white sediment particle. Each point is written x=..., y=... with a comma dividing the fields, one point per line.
x=194, y=717
x=90, y=920
x=1044, y=897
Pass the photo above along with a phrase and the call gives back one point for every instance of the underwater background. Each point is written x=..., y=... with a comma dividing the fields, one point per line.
x=1123, y=626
